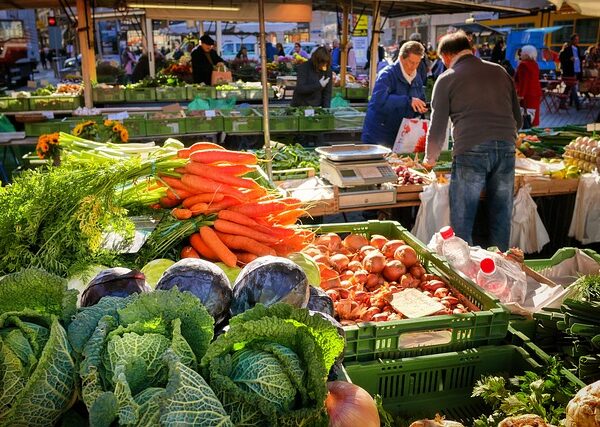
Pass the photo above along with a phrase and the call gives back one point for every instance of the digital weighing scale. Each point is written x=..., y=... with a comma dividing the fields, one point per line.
x=361, y=172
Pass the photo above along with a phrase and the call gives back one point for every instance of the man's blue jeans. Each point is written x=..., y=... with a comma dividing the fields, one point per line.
x=489, y=166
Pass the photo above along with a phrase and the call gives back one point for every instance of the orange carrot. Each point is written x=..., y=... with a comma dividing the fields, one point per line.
x=178, y=194
x=238, y=218
x=202, y=198
x=206, y=185
x=216, y=174
x=256, y=194
x=181, y=213
x=201, y=247
x=245, y=257
x=219, y=248
x=155, y=206
x=167, y=202
x=246, y=244
x=288, y=217
x=261, y=208
x=184, y=153
x=200, y=146
x=241, y=230
x=180, y=170
x=214, y=156
x=276, y=231
x=189, y=252
x=235, y=170
x=173, y=182
x=199, y=208
x=226, y=203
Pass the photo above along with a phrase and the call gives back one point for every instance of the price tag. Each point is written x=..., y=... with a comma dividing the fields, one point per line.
x=118, y=116
x=309, y=113
x=210, y=113
x=413, y=303
x=48, y=114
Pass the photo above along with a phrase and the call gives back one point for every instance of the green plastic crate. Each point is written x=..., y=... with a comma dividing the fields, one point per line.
x=256, y=94
x=171, y=93
x=54, y=103
x=387, y=340
x=348, y=118
x=140, y=94
x=419, y=387
x=49, y=126
x=136, y=125
x=199, y=124
x=321, y=122
x=279, y=123
x=113, y=94
x=170, y=126
x=357, y=92
x=248, y=121
x=560, y=256
x=338, y=91
x=14, y=104
x=237, y=94
x=204, y=92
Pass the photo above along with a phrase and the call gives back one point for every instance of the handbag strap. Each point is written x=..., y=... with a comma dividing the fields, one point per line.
x=209, y=59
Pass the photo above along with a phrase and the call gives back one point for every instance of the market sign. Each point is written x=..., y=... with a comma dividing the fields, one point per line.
x=360, y=25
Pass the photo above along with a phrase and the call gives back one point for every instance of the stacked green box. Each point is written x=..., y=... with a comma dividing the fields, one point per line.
x=282, y=122
x=486, y=324
x=348, y=118
x=338, y=91
x=241, y=121
x=238, y=94
x=112, y=94
x=199, y=124
x=136, y=125
x=167, y=126
x=140, y=94
x=256, y=94
x=13, y=104
x=320, y=122
x=49, y=126
x=54, y=103
x=204, y=92
x=171, y=93
x=357, y=92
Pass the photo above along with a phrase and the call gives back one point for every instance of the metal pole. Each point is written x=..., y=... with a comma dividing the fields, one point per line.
x=374, y=47
x=344, y=44
x=219, y=36
x=265, y=89
x=150, y=47
x=88, y=58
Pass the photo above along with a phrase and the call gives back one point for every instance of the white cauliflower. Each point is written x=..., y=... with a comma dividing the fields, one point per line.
x=584, y=409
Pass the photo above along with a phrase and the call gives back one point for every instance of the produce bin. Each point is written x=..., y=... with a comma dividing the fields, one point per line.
x=140, y=94
x=237, y=94
x=256, y=94
x=280, y=121
x=319, y=122
x=247, y=121
x=49, y=126
x=288, y=174
x=560, y=256
x=357, y=92
x=348, y=118
x=14, y=104
x=108, y=94
x=199, y=124
x=171, y=93
x=167, y=126
x=426, y=335
x=419, y=387
x=136, y=125
x=204, y=92
x=338, y=91
x=54, y=103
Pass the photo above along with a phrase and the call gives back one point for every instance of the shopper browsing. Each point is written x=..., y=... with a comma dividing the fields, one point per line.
x=204, y=60
x=527, y=81
x=480, y=99
x=313, y=81
x=398, y=93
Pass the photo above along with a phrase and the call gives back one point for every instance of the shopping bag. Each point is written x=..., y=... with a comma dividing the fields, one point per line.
x=222, y=104
x=411, y=136
x=527, y=229
x=585, y=224
x=339, y=102
x=5, y=124
x=434, y=211
x=199, y=104
x=220, y=75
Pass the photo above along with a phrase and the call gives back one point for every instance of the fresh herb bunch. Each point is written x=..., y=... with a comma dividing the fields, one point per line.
x=545, y=394
x=586, y=288
x=291, y=156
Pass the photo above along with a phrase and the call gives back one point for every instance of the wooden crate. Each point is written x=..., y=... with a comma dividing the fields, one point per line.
x=542, y=185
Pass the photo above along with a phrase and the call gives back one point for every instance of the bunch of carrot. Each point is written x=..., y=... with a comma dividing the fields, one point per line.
x=248, y=221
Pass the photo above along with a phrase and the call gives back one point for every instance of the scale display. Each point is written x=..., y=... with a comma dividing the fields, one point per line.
x=355, y=174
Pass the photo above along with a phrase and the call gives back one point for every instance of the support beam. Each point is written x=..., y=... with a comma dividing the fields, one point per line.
x=374, y=46
x=150, y=47
x=344, y=44
x=219, y=36
x=265, y=88
x=85, y=36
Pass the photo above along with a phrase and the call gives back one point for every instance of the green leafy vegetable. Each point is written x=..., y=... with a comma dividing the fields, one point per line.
x=586, y=288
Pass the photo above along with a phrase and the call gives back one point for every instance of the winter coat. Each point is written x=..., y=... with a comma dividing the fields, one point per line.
x=389, y=104
x=308, y=90
x=202, y=67
x=567, y=63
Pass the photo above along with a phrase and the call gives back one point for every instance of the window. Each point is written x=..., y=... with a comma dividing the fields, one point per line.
x=564, y=34
x=587, y=30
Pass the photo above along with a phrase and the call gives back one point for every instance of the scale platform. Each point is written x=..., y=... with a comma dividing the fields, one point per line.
x=354, y=197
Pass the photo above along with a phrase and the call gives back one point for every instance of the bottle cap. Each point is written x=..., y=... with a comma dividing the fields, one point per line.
x=487, y=265
x=446, y=232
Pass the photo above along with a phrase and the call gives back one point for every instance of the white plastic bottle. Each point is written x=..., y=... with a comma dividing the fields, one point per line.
x=492, y=279
x=457, y=253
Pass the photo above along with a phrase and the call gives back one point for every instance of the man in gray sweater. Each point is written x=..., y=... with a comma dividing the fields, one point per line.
x=479, y=98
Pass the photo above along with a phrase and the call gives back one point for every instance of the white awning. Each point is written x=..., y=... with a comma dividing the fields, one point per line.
x=584, y=7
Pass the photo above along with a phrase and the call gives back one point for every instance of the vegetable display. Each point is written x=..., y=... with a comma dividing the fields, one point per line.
x=584, y=409
x=116, y=282
x=291, y=156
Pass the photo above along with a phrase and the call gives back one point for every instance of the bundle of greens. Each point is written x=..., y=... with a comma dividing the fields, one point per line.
x=139, y=360
x=38, y=376
x=271, y=366
x=545, y=394
x=291, y=156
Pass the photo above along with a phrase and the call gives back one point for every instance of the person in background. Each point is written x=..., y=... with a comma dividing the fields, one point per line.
x=471, y=38
x=398, y=93
x=178, y=53
x=298, y=50
x=351, y=58
x=128, y=61
x=527, y=82
x=279, y=48
x=380, y=57
x=270, y=51
x=498, y=54
x=242, y=54
x=314, y=83
x=485, y=52
x=336, y=56
x=141, y=69
x=43, y=59
x=571, y=66
x=549, y=55
x=204, y=60
x=425, y=64
x=479, y=98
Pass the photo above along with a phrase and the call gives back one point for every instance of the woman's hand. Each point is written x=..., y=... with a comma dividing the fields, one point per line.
x=324, y=81
x=418, y=105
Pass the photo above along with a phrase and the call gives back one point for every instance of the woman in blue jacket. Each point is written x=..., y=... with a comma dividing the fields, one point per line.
x=398, y=93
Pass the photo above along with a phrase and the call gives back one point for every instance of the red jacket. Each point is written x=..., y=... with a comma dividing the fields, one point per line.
x=527, y=79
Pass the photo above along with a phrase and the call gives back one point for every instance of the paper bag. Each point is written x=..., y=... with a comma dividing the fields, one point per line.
x=220, y=75
x=411, y=136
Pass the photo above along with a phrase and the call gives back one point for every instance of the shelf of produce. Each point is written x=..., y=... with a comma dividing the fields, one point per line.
x=545, y=186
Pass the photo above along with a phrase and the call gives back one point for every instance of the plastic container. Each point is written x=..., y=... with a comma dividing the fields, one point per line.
x=242, y=121
x=171, y=93
x=54, y=103
x=14, y=104
x=487, y=323
x=49, y=126
x=136, y=125
x=199, y=124
x=108, y=94
x=166, y=126
x=422, y=386
x=457, y=253
x=493, y=280
x=321, y=122
x=140, y=94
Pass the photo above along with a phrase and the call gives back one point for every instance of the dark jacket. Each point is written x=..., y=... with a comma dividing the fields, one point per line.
x=389, y=104
x=567, y=63
x=308, y=90
x=202, y=67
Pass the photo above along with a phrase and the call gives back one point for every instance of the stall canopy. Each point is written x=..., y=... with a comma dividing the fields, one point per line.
x=477, y=29
x=584, y=7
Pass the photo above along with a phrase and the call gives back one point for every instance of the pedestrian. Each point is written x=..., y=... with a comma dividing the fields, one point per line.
x=43, y=59
x=299, y=51
x=570, y=64
x=279, y=49
x=498, y=54
x=485, y=52
x=128, y=62
x=527, y=82
x=204, y=60
x=313, y=82
x=398, y=93
x=336, y=56
x=479, y=98
x=351, y=58
x=242, y=54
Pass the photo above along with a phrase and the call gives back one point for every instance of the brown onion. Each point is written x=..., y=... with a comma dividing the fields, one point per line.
x=355, y=265
x=393, y=270
x=360, y=276
x=417, y=271
x=390, y=248
x=374, y=262
x=406, y=255
x=331, y=240
x=339, y=261
x=355, y=241
x=362, y=253
x=378, y=241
